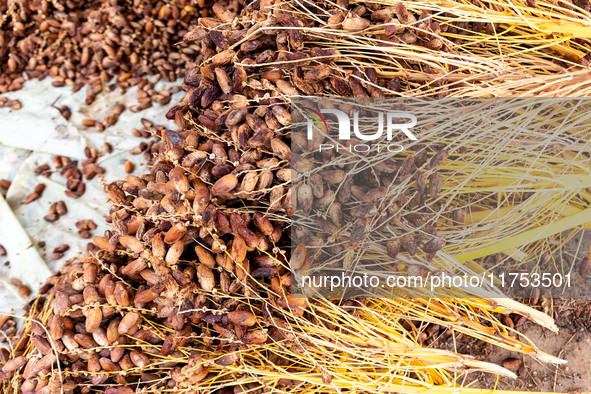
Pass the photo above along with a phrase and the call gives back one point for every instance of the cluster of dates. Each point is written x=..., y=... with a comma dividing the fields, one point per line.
x=195, y=270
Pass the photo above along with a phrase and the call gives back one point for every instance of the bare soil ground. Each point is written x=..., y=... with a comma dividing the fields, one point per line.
x=569, y=344
x=572, y=343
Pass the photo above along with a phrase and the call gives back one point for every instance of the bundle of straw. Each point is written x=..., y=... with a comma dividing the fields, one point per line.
x=191, y=291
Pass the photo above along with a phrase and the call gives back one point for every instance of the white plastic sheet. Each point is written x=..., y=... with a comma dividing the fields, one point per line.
x=40, y=127
x=33, y=136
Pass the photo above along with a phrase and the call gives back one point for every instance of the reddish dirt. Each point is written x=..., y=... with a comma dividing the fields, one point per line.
x=571, y=343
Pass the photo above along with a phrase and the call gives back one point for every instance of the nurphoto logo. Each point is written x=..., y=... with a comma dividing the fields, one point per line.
x=345, y=124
